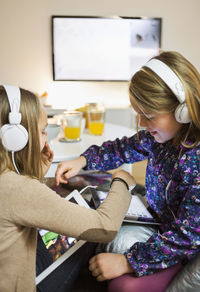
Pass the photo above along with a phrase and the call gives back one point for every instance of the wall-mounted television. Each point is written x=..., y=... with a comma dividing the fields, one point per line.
x=92, y=48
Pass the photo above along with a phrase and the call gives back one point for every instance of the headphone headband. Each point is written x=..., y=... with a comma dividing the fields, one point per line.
x=169, y=77
x=14, y=98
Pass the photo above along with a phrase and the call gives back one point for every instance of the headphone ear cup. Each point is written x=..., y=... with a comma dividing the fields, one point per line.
x=182, y=114
x=14, y=137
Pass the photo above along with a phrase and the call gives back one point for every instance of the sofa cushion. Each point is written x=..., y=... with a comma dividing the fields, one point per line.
x=188, y=279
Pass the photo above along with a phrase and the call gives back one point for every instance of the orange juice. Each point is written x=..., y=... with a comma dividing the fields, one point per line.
x=96, y=128
x=72, y=133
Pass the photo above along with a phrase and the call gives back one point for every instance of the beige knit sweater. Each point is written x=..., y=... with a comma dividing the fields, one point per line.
x=26, y=204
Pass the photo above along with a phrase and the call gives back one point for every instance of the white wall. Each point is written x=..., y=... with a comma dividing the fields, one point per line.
x=25, y=43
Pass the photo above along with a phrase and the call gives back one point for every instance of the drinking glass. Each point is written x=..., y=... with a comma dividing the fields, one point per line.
x=96, y=120
x=72, y=125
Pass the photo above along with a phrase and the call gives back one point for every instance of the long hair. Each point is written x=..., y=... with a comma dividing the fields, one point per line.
x=152, y=95
x=28, y=160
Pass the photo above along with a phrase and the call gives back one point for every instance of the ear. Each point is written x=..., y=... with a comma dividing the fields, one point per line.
x=182, y=115
x=14, y=137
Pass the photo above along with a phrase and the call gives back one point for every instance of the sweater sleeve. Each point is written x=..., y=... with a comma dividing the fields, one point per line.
x=112, y=154
x=179, y=239
x=37, y=206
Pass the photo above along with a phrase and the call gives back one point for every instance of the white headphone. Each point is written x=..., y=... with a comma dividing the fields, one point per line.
x=174, y=83
x=14, y=136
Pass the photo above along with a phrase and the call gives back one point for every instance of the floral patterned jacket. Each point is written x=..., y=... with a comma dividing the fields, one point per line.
x=178, y=209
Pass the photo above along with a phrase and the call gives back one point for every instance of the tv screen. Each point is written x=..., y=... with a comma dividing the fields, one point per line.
x=102, y=48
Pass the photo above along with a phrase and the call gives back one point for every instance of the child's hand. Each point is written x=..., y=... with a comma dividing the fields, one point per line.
x=106, y=266
x=70, y=168
x=47, y=158
x=125, y=176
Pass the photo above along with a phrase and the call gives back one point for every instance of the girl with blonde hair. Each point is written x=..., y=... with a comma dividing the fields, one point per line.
x=165, y=93
x=26, y=204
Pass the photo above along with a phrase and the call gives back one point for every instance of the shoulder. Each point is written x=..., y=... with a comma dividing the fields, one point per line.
x=13, y=184
x=15, y=179
x=190, y=163
x=190, y=156
x=10, y=179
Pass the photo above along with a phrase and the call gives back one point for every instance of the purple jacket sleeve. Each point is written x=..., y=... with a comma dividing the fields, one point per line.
x=112, y=154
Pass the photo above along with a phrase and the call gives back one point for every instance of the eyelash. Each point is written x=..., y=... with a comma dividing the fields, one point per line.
x=148, y=118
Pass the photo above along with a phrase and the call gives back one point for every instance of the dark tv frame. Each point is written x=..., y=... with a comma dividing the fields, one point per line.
x=159, y=19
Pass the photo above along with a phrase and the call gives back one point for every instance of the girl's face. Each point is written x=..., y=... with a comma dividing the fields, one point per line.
x=163, y=127
x=42, y=128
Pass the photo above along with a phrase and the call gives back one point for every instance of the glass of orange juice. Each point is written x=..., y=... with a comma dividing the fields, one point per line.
x=72, y=125
x=96, y=120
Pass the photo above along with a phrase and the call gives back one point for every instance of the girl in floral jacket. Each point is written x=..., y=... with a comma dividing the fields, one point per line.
x=165, y=93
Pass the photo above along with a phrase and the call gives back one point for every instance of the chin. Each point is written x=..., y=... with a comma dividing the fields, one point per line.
x=160, y=140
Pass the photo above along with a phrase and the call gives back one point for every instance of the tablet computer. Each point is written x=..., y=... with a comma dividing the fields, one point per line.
x=85, y=178
x=94, y=187
x=138, y=212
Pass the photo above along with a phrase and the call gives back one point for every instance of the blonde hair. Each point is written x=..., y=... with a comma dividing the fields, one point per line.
x=28, y=160
x=152, y=95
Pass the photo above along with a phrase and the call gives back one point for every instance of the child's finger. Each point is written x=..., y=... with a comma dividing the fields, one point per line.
x=50, y=154
x=46, y=147
x=62, y=180
x=59, y=172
